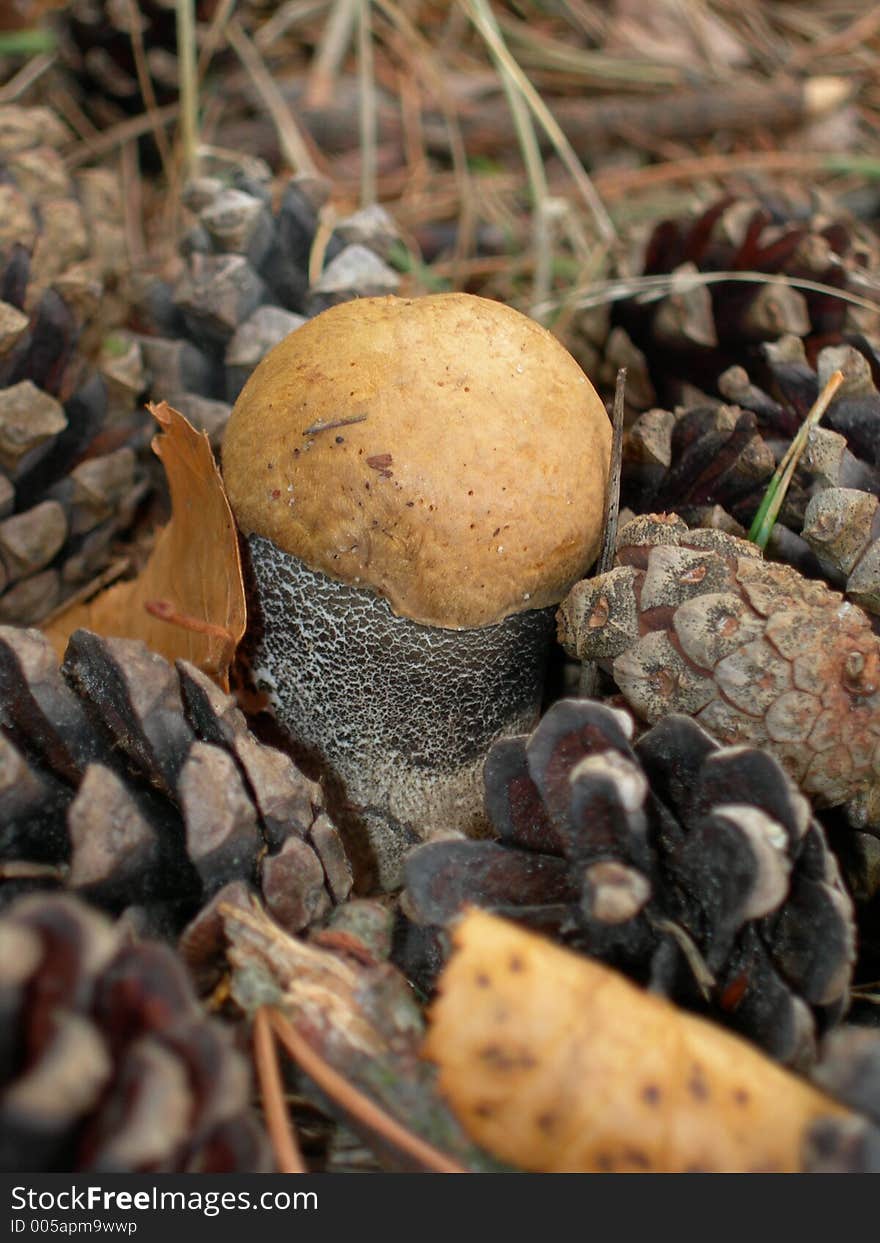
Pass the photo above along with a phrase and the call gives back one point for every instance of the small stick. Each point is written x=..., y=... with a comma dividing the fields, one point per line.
x=359, y=1106
x=327, y=427
x=287, y=1151
x=589, y=669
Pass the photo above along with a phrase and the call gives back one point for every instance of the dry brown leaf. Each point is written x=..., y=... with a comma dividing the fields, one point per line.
x=555, y=1063
x=188, y=602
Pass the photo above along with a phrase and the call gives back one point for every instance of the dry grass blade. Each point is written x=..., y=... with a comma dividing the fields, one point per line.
x=26, y=76
x=359, y=1107
x=288, y=1157
x=652, y=288
x=368, y=117
x=484, y=20
x=188, y=87
x=334, y=43
x=294, y=147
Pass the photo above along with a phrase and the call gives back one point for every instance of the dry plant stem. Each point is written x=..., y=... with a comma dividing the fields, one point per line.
x=484, y=20
x=287, y=1152
x=335, y=40
x=589, y=669
x=145, y=82
x=358, y=1106
x=368, y=116
x=293, y=146
x=189, y=88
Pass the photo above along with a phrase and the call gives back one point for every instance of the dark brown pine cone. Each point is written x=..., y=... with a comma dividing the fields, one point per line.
x=95, y=42
x=73, y=440
x=138, y=786
x=692, y=336
x=697, y=869
x=245, y=284
x=108, y=1062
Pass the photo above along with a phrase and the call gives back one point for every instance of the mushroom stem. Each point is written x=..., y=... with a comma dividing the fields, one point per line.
x=399, y=715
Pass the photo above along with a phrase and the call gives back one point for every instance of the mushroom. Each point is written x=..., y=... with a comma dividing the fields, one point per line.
x=420, y=481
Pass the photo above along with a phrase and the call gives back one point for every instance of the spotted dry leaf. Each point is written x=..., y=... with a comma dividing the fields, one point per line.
x=557, y=1064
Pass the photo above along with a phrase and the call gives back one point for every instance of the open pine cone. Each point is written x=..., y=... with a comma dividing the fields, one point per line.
x=697, y=622
x=73, y=441
x=695, y=869
x=694, y=334
x=138, y=785
x=108, y=1062
x=246, y=284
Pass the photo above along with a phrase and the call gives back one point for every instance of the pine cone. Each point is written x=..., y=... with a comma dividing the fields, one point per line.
x=245, y=285
x=690, y=337
x=95, y=41
x=108, y=1062
x=72, y=439
x=849, y=1070
x=141, y=786
x=698, y=622
x=695, y=869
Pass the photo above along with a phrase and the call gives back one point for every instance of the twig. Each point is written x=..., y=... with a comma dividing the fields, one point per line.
x=357, y=1105
x=288, y=1156
x=484, y=19
x=768, y=510
x=293, y=146
x=589, y=669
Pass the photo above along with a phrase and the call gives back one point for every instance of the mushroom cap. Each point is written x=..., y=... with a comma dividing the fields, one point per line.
x=446, y=452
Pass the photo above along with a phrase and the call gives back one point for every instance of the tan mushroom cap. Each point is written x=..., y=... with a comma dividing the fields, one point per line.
x=446, y=452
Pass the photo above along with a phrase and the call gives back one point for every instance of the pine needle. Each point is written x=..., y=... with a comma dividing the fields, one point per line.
x=294, y=147
x=768, y=511
x=288, y=1157
x=188, y=86
x=356, y=1105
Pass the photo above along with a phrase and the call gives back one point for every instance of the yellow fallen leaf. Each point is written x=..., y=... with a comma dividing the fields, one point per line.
x=188, y=602
x=553, y=1062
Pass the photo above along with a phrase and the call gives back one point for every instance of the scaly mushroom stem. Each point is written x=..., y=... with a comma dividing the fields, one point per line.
x=400, y=714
